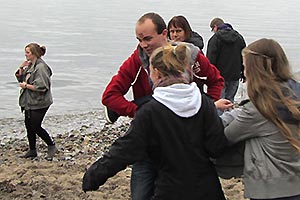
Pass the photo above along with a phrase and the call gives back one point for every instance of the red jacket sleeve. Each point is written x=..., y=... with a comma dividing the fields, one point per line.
x=209, y=75
x=113, y=95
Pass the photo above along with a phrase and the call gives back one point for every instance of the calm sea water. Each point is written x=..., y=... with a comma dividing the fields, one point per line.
x=87, y=40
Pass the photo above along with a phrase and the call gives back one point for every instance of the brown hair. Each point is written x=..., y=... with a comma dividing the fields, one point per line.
x=267, y=69
x=216, y=22
x=180, y=22
x=156, y=19
x=36, y=49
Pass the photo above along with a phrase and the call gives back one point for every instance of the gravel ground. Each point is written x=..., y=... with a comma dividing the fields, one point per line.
x=81, y=139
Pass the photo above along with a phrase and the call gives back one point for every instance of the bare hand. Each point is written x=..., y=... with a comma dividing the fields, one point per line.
x=25, y=63
x=23, y=85
x=223, y=104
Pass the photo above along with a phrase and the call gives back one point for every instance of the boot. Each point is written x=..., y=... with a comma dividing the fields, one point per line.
x=30, y=154
x=51, y=151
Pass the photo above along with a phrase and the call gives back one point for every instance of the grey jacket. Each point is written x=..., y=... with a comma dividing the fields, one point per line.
x=272, y=166
x=37, y=74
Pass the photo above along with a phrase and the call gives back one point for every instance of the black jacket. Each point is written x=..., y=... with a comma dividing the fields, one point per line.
x=224, y=51
x=179, y=147
x=196, y=40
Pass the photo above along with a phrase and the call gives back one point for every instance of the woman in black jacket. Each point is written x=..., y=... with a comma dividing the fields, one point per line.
x=179, y=130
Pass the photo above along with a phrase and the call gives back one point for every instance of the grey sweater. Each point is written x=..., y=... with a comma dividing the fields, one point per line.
x=37, y=74
x=272, y=166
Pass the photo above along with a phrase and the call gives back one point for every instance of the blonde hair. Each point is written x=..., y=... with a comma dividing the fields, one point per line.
x=171, y=60
x=267, y=69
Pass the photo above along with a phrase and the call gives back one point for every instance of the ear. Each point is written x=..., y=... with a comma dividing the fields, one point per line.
x=157, y=73
x=165, y=32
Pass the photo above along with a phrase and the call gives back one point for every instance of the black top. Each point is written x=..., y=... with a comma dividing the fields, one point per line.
x=179, y=147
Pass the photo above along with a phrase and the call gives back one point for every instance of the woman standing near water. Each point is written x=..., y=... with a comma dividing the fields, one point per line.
x=34, y=77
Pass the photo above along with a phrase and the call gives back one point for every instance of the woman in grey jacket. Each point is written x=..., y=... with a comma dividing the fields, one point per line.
x=269, y=124
x=35, y=97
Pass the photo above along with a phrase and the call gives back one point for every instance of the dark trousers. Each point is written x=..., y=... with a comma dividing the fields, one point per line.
x=33, y=123
x=143, y=176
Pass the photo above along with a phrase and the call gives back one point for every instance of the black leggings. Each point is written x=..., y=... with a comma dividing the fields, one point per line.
x=33, y=122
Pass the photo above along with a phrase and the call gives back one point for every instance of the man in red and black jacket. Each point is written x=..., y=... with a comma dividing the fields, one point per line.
x=151, y=33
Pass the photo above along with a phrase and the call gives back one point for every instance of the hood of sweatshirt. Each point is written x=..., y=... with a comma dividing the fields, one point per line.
x=228, y=35
x=183, y=99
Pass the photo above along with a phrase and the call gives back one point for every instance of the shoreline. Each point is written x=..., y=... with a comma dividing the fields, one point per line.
x=55, y=124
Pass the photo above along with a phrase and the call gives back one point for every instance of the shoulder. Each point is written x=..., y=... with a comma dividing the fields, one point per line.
x=133, y=62
x=213, y=38
x=206, y=99
x=41, y=65
x=197, y=40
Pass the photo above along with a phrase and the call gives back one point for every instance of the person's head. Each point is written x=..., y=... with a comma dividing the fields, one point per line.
x=214, y=23
x=179, y=29
x=34, y=51
x=265, y=58
x=170, y=62
x=266, y=69
x=151, y=32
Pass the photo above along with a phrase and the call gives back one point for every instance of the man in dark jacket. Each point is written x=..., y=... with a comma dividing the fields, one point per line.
x=224, y=51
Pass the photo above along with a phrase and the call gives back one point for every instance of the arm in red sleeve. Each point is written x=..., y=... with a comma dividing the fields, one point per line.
x=113, y=96
x=209, y=75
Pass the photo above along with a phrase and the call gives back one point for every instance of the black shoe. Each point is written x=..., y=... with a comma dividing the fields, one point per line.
x=111, y=116
x=30, y=154
x=51, y=151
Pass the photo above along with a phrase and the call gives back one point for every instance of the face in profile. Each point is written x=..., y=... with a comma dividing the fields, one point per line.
x=177, y=34
x=148, y=37
x=28, y=54
x=154, y=74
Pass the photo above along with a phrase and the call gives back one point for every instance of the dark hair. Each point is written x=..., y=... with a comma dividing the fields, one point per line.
x=180, y=22
x=36, y=49
x=216, y=22
x=157, y=20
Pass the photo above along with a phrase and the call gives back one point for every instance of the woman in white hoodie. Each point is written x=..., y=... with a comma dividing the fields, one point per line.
x=179, y=130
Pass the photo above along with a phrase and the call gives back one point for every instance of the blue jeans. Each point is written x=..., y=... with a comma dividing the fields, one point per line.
x=229, y=90
x=143, y=176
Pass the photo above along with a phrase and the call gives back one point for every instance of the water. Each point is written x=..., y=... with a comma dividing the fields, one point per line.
x=88, y=40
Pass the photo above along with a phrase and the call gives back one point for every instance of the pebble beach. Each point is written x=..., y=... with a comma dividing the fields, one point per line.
x=81, y=139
